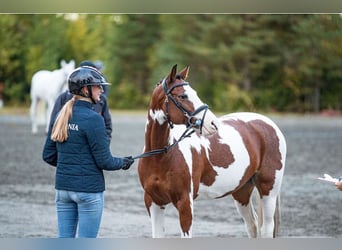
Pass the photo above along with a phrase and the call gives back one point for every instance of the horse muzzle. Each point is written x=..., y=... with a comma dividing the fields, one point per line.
x=209, y=123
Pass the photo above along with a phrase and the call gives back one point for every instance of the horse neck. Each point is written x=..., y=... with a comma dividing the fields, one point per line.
x=156, y=135
x=62, y=76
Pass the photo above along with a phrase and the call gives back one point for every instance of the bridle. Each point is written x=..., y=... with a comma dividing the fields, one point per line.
x=190, y=115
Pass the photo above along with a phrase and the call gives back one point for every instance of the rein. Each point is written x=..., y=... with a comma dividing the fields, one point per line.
x=187, y=133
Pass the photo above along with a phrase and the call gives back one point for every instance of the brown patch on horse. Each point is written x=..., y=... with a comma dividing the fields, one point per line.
x=167, y=178
x=178, y=180
x=262, y=144
x=220, y=155
x=243, y=194
x=185, y=214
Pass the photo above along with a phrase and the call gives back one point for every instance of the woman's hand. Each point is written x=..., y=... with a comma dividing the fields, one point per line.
x=128, y=161
x=339, y=185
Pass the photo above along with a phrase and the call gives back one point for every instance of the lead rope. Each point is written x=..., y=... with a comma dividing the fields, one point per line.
x=187, y=133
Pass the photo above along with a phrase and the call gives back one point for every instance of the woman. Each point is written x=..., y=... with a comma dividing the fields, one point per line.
x=77, y=144
x=100, y=107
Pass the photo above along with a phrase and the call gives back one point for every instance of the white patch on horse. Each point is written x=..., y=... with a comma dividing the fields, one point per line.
x=185, y=147
x=158, y=115
x=194, y=141
x=157, y=219
x=210, y=122
x=146, y=124
x=248, y=116
x=228, y=179
x=192, y=95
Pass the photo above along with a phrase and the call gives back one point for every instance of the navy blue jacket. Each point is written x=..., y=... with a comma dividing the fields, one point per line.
x=101, y=107
x=81, y=159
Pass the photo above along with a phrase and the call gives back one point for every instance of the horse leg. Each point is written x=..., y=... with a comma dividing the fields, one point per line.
x=48, y=114
x=33, y=113
x=185, y=211
x=269, y=204
x=270, y=209
x=249, y=217
x=243, y=203
x=157, y=214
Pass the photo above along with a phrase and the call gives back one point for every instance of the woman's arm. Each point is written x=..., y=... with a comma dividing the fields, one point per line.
x=49, y=154
x=99, y=145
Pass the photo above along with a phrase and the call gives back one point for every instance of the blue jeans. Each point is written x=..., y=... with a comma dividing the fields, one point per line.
x=78, y=209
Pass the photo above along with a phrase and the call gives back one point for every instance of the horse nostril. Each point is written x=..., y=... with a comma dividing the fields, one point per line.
x=214, y=125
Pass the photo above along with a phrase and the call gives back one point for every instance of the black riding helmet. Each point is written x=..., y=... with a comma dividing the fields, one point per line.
x=85, y=76
x=88, y=63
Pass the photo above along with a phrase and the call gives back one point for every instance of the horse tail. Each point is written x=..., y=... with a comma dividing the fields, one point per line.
x=259, y=212
x=277, y=217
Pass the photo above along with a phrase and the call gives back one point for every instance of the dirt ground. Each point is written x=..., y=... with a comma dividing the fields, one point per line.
x=310, y=208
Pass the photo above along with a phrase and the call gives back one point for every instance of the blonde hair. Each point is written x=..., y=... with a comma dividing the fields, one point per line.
x=60, y=127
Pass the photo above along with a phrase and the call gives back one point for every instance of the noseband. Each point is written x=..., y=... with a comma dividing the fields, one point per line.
x=187, y=113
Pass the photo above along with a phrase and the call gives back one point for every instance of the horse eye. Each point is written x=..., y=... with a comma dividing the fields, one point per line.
x=183, y=96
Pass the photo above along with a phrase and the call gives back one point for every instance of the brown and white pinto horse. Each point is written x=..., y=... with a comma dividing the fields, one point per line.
x=230, y=155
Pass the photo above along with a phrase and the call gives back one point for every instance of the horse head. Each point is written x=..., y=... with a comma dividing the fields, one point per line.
x=181, y=105
x=67, y=68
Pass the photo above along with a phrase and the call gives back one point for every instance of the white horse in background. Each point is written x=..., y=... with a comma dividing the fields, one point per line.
x=46, y=86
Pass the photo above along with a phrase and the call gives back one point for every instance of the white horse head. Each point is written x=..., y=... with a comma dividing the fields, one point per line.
x=46, y=86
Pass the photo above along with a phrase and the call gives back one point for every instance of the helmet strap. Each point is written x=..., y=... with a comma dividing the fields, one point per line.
x=81, y=93
x=86, y=95
x=90, y=94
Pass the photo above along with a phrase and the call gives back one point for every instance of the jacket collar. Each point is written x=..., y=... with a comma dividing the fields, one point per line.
x=82, y=103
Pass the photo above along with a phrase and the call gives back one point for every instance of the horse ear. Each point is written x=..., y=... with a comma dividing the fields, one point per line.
x=184, y=73
x=172, y=76
x=63, y=62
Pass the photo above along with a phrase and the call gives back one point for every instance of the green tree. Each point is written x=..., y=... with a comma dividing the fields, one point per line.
x=132, y=45
x=11, y=54
x=319, y=60
x=238, y=62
